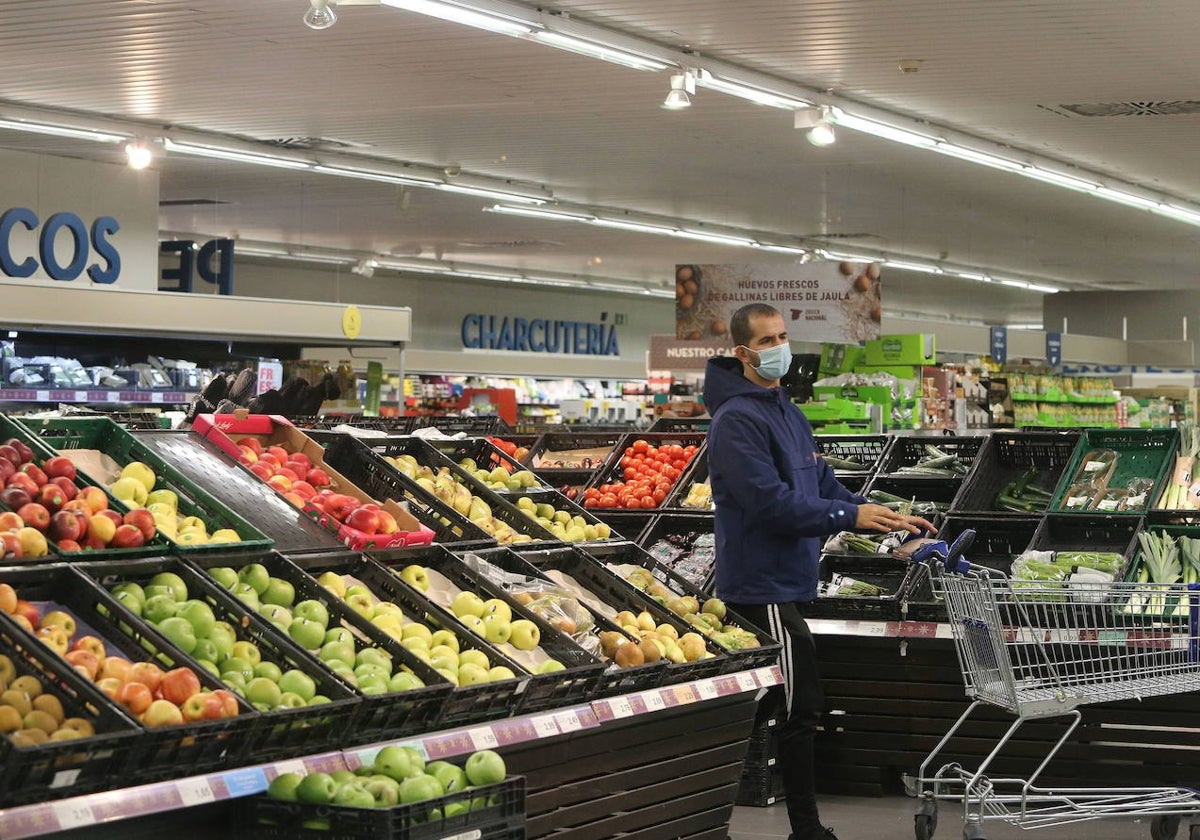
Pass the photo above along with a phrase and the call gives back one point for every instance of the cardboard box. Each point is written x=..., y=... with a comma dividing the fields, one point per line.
x=904, y=349
x=274, y=430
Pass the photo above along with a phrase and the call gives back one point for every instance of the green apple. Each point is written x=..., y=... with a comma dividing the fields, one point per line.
x=373, y=656
x=247, y=651
x=501, y=672
x=495, y=606
x=419, y=789
x=235, y=681
x=447, y=659
x=550, y=665
x=373, y=685
x=474, y=656
x=450, y=676
x=313, y=611
x=452, y=778
x=316, y=789
x=496, y=628
x=283, y=787
x=453, y=809
x=306, y=633
x=343, y=671
x=238, y=665
x=223, y=636
x=199, y=615
x=179, y=632
x=372, y=669
x=245, y=593
x=153, y=589
x=206, y=649
x=339, y=634
x=416, y=643
x=388, y=608
x=269, y=670
x=471, y=674
x=444, y=637
x=163, y=496
x=336, y=651
x=209, y=665
x=318, y=700
x=264, y=691
x=353, y=795
x=280, y=617
x=342, y=776
x=256, y=575
x=132, y=596
x=362, y=603
x=473, y=623
x=298, y=682
x=290, y=700
x=404, y=681
x=173, y=582
x=278, y=591
x=159, y=607
x=524, y=634
x=223, y=575
x=333, y=582
x=398, y=763
x=485, y=767
x=467, y=603
x=416, y=576
x=385, y=791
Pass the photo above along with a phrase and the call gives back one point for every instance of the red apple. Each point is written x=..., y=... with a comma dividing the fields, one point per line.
x=135, y=697
x=202, y=707
x=7, y=468
x=94, y=543
x=80, y=505
x=93, y=645
x=229, y=702
x=162, y=713
x=387, y=523
x=340, y=505
x=68, y=545
x=70, y=491
x=262, y=469
x=51, y=497
x=143, y=520
x=294, y=498
x=113, y=515
x=23, y=451
x=23, y=481
x=289, y=474
x=29, y=611
x=303, y=489
x=95, y=498
x=86, y=660
x=10, y=521
x=283, y=485
x=10, y=454
x=251, y=443
x=364, y=519
x=10, y=546
x=35, y=516
x=128, y=536
x=270, y=460
x=300, y=470
x=59, y=466
x=318, y=478
x=246, y=455
x=35, y=472
x=279, y=452
x=179, y=684
x=66, y=525
x=147, y=673
x=301, y=458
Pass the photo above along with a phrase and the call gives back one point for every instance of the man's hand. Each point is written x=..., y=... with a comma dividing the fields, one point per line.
x=879, y=518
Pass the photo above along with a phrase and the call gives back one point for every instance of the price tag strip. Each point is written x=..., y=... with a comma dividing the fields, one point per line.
x=483, y=738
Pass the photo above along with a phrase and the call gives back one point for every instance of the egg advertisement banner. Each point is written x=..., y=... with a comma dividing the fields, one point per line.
x=821, y=301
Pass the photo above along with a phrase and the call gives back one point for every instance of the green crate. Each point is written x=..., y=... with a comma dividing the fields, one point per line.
x=104, y=435
x=1171, y=602
x=1145, y=453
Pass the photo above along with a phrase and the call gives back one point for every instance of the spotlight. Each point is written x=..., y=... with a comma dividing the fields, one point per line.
x=366, y=268
x=683, y=86
x=320, y=15
x=138, y=154
x=819, y=125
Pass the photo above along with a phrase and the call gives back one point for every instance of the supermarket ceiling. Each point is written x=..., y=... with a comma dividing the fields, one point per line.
x=1096, y=89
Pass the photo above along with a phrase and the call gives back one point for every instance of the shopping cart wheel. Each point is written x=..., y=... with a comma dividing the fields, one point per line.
x=924, y=825
x=973, y=832
x=1165, y=828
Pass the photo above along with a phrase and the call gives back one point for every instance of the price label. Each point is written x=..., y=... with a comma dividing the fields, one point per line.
x=746, y=681
x=43, y=396
x=620, y=707
x=295, y=765
x=73, y=814
x=112, y=397
x=483, y=738
x=545, y=726
x=765, y=677
x=195, y=791
x=707, y=689
x=654, y=701
x=568, y=721
x=81, y=396
x=156, y=397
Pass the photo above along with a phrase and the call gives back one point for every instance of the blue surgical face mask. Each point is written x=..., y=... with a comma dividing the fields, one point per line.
x=773, y=362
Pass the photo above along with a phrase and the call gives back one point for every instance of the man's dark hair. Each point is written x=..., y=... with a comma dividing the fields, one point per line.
x=739, y=324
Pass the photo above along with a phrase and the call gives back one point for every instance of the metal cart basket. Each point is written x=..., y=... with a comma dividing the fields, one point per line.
x=1040, y=650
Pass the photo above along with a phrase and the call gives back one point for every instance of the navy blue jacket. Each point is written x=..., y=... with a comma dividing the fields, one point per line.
x=774, y=496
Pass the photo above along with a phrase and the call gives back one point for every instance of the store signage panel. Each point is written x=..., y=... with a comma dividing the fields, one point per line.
x=66, y=246
x=539, y=335
x=1054, y=349
x=670, y=353
x=999, y=345
x=820, y=301
x=212, y=261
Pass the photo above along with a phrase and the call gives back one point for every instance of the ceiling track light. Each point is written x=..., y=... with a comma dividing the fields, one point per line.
x=138, y=154
x=320, y=15
x=818, y=125
x=683, y=88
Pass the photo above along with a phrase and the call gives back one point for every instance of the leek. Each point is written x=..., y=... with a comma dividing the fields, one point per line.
x=1176, y=496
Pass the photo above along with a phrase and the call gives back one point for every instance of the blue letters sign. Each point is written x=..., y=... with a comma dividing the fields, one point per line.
x=999, y=345
x=539, y=335
x=84, y=240
x=1053, y=349
x=200, y=259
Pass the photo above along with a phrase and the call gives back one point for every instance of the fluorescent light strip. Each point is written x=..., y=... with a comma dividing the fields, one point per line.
x=239, y=157
x=635, y=226
x=980, y=278
x=750, y=93
x=982, y=158
x=455, y=13
x=1128, y=199
x=493, y=194
x=382, y=177
x=1037, y=287
x=1181, y=214
x=1060, y=179
x=63, y=131
x=600, y=51
x=781, y=249
x=715, y=238
x=907, y=266
x=535, y=213
x=885, y=131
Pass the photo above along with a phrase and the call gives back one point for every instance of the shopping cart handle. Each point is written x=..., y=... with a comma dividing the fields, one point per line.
x=949, y=555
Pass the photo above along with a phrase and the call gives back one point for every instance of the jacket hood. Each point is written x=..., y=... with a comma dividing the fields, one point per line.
x=723, y=380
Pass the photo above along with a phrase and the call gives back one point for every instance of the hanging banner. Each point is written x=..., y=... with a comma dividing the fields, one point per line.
x=1054, y=349
x=670, y=353
x=999, y=345
x=820, y=301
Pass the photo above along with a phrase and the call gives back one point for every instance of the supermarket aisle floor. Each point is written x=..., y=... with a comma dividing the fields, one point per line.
x=891, y=818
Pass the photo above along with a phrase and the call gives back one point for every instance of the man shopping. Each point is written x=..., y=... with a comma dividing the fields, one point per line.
x=775, y=498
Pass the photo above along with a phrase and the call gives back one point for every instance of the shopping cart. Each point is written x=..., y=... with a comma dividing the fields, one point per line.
x=1040, y=650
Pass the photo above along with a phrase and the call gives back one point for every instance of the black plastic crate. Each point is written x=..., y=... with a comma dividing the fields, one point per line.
x=907, y=451
x=54, y=770
x=473, y=426
x=892, y=574
x=613, y=471
x=614, y=680
x=483, y=453
x=630, y=524
x=1143, y=453
x=1081, y=532
x=563, y=442
x=561, y=503
x=737, y=659
x=494, y=812
x=612, y=590
x=685, y=544
x=380, y=716
x=570, y=483
x=868, y=450
x=238, y=489
x=697, y=472
x=482, y=701
x=1006, y=457
x=164, y=752
x=931, y=496
x=580, y=677
x=367, y=470
x=681, y=424
x=282, y=733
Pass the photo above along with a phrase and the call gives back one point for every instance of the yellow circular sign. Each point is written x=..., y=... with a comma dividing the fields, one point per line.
x=351, y=322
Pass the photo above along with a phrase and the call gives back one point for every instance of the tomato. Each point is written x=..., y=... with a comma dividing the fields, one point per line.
x=591, y=502
x=689, y=451
x=630, y=473
x=675, y=450
x=608, y=500
x=591, y=493
x=632, y=503
x=659, y=495
x=679, y=463
x=640, y=446
x=626, y=461
x=648, y=503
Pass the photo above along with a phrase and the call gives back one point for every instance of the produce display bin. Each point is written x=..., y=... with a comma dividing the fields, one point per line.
x=472, y=426
x=908, y=451
x=868, y=450
x=381, y=480
x=561, y=503
x=392, y=714
x=570, y=483
x=161, y=752
x=485, y=454
x=589, y=573
x=737, y=659
x=160, y=544
x=696, y=473
x=493, y=812
x=467, y=703
x=282, y=733
x=685, y=544
x=614, y=472
x=103, y=435
x=551, y=452
x=428, y=456
x=937, y=494
x=54, y=770
x=1142, y=453
x=892, y=574
x=614, y=680
x=1006, y=457
x=680, y=424
x=580, y=677
x=1079, y=532
x=238, y=489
